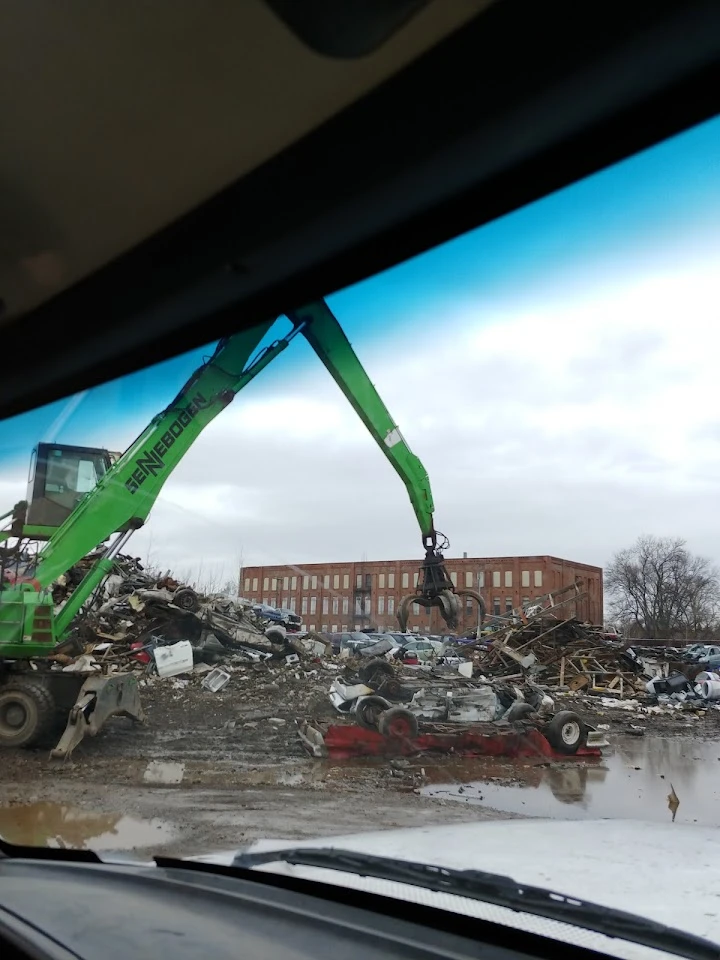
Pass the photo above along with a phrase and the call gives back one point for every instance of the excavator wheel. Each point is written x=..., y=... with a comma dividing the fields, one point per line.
x=27, y=713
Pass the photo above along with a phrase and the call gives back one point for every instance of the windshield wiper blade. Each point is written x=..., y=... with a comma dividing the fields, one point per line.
x=496, y=889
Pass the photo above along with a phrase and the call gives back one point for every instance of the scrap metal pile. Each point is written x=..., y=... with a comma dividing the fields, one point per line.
x=153, y=624
x=560, y=652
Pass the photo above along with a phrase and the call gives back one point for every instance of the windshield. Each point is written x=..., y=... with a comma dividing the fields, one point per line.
x=291, y=647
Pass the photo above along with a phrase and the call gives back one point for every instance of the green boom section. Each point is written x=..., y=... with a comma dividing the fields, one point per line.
x=125, y=495
x=327, y=338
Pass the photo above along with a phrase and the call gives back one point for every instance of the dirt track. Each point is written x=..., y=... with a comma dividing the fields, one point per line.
x=212, y=771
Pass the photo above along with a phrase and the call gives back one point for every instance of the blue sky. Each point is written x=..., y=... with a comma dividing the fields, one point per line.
x=641, y=210
x=648, y=217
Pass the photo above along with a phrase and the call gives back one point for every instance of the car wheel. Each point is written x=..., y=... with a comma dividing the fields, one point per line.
x=397, y=723
x=368, y=710
x=566, y=732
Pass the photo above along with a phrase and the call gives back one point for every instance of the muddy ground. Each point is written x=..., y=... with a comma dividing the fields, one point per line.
x=212, y=771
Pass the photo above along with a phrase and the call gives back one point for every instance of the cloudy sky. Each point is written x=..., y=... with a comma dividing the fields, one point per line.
x=555, y=371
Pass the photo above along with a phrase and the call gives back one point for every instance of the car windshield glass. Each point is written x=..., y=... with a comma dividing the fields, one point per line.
x=487, y=608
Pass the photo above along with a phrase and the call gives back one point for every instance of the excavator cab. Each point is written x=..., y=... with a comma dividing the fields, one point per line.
x=60, y=476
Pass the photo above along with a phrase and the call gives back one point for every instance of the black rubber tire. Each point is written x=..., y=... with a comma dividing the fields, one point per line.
x=186, y=599
x=392, y=689
x=375, y=668
x=519, y=711
x=397, y=723
x=566, y=732
x=368, y=710
x=33, y=699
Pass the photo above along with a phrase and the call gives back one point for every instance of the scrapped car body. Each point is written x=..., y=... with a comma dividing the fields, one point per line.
x=391, y=714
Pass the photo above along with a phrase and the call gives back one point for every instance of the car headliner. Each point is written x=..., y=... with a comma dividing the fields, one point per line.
x=172, y=172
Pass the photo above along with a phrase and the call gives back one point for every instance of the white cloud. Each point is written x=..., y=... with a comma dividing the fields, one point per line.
x=566, y=428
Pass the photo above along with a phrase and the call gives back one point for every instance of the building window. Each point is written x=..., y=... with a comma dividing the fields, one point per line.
x=344, y=628
x=336, y=581
x=326, y=604
x=468, y=578
x=313, y=604
x=336, y=604
x=286, y=583
x=381, y=605
x=247, y=585
x=481, y=578
x=303, y=608
x=306, y=583
x=453, y=577
x=368, y=581
x=381, y=581
x=416, y=608
x=324, y=627
x=496, y=578
x=525, y=601
x=405, y=580
x=274, y=583
x=266, y=584
x=367, y=606
x=346, y=606
x=358, y=581
x=314, y=583
x=391, y=580
x=538, y=578
x=415, y=579
x=346, y=581
x=334, y=628
x=285, y=602
x=293, y=583
x=255, y=584
x=416, y=629
x=391, y=604
x=508, y=605
x=468, y=607
x=496, y=606
x=292, y=604
x=326, y=581
x=312, y=626
x=508, y=578
x=525, y=578
x=358, y=606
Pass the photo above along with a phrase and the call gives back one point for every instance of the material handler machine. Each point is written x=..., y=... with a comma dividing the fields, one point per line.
x=80, y=497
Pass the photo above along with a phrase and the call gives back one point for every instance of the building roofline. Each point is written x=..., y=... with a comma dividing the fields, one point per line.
x=417, y=561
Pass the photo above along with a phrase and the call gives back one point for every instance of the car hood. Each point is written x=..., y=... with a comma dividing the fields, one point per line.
x=659, y=871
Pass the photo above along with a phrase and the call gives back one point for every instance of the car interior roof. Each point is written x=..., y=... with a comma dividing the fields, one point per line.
x=172, y=172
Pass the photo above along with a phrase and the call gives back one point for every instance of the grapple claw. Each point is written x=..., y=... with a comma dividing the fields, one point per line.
x=436, y=589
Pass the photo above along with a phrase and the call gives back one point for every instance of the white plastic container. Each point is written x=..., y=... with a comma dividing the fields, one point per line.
x=711, y=689
x=216, y=680
x=174, y=659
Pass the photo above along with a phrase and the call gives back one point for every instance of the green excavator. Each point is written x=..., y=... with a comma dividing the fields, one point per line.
x=80, y=497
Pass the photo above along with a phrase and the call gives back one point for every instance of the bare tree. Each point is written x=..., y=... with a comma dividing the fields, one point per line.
x=657, y=588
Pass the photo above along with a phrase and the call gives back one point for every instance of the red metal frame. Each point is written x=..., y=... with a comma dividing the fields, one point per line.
x=347, y=741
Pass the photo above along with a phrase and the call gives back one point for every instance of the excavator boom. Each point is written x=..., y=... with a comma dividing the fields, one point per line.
x=125, y=491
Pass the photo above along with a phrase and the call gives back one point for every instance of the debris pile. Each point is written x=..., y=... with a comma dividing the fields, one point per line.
x=559, y=652
x=158, y=625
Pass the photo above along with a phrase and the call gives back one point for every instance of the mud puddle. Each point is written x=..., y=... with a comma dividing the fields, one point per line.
x=639, y=780
x=45, y=824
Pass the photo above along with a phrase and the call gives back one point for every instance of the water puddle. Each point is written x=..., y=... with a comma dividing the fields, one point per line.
x=164, y=772
x=45, y=824
x=651, y=779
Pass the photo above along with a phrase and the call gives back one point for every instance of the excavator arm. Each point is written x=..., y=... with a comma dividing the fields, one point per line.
x=435, y=588
x=125, y=495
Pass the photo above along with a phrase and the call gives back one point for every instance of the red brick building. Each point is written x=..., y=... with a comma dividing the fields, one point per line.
x=352, y=596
